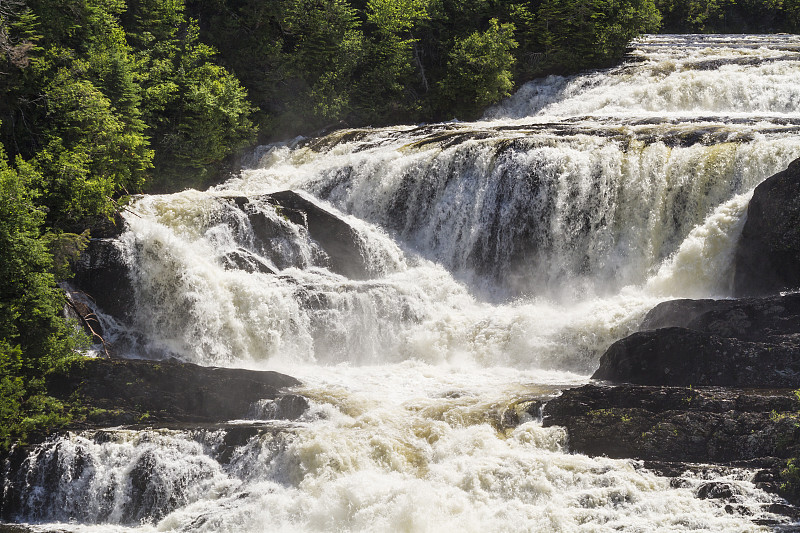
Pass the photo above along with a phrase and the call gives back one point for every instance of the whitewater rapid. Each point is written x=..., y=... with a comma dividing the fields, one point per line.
x=504, y=256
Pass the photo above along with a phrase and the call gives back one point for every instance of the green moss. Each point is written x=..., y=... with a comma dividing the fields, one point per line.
x=619, y=414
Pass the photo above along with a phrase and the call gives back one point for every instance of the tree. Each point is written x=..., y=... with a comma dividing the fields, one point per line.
x=579, y=34
x=196, y=112
x=33, y=337
x=479, y=69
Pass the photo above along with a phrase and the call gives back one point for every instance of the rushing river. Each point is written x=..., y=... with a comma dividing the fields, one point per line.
x=503, y=257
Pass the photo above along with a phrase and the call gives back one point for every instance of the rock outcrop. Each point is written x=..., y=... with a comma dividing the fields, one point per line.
x=102, y=274
x=678, y=423
x=737, y=343
x=688, y=434
x=335, y=236
x=768, y=253
x=130, y=391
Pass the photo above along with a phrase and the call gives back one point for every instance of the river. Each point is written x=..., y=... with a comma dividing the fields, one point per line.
x=503, y=257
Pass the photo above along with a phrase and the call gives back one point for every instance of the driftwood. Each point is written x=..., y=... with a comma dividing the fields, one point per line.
x=86, y=317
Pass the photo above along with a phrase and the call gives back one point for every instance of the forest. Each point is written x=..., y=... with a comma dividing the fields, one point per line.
x=103, y=99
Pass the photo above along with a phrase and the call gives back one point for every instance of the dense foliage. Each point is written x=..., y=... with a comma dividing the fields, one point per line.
x=730, y=16
x=311, y=63
x=99, y=96
x=33, y=337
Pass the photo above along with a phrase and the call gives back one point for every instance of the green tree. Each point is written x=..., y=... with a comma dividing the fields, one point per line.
x=479, y=69
x=197, y=113
x=33, y=336
x=579, y=34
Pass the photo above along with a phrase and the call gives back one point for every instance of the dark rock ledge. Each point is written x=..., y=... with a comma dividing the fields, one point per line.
x=678, y=423
x=130, y=391
x=159, y=394
x=689, y=434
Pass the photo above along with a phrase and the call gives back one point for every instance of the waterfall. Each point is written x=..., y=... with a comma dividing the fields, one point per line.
x=505, y=241
x=485, y=264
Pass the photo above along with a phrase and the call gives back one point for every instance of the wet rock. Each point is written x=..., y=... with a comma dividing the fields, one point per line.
x=291, y=406
x=137, y=391
x=741, y=343
x=681, y=313
x=678, y=424
x=787, y=510
x=102, y=274
x=285, y=407
x=339, y=240
x=242, y=259
x=235, y=437
x=715, y=490
x=749, y=319
x=768, y=253
x=679, y=356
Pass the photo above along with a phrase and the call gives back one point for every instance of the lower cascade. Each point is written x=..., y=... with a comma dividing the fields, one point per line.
x=433, y=287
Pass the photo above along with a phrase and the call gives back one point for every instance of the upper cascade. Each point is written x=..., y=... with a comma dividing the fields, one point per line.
x=692, y=76
x=573, y=186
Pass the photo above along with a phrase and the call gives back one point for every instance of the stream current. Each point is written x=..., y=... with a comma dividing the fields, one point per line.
x=503, y=257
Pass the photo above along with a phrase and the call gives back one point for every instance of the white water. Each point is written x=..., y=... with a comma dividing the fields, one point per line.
x=504, y=257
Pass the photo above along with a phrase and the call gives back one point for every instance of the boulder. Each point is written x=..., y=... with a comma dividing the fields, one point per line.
x=768, y=253
x=129, y=391
x=678, y=423
x=334, y=236
x=680, y=313
x=102, y=274
x=741, y=343
x=242, y=259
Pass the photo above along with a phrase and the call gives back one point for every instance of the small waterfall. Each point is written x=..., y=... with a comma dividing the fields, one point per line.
x=539, y=215
x=121, y=477
x=689, y=76
x=361, y=470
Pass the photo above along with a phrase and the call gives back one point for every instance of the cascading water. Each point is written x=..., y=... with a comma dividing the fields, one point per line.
x=498, y=260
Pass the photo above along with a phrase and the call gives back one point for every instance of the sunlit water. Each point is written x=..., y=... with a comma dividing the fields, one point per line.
x=504, y=257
